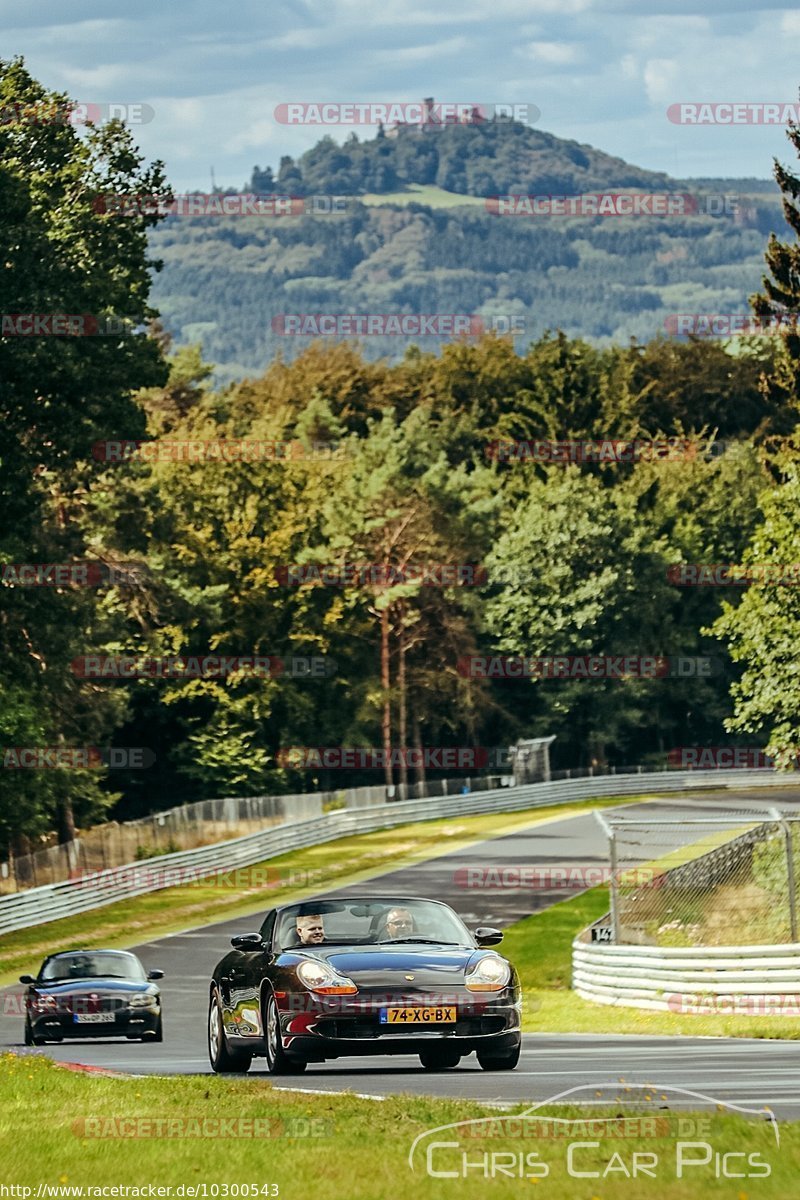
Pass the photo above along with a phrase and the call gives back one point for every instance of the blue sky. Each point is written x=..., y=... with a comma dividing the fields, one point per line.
x=600, y=71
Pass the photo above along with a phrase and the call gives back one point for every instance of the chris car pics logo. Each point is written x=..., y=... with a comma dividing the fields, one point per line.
x=653, y=1140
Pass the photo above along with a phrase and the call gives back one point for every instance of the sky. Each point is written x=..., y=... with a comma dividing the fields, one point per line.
x=602, y=72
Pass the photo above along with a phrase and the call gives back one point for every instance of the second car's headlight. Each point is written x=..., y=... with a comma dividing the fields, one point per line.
x=140, y=999
x=490, y=973
x=320, y=977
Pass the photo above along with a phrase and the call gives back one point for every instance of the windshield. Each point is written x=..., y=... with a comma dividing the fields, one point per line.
x=91, y=966
x=370, y=923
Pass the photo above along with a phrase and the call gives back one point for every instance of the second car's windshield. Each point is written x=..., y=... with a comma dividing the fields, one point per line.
x=374, y=922
x=91, y=966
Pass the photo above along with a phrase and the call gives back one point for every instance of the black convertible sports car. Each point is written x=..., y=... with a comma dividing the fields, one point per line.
x=92, y=993
x=385, y=975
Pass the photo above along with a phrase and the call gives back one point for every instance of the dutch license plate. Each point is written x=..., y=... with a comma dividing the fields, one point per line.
x=418, y=1016
x=94, y=1018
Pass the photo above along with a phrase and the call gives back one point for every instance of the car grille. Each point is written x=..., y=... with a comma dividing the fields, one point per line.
x=84, y=1004
x=335, y=1027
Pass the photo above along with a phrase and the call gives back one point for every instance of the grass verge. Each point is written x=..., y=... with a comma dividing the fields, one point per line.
x=64, y=1130
x=541, y=949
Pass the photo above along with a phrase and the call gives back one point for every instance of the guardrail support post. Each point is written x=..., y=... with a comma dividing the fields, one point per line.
x=787, y=833
x=612, y=854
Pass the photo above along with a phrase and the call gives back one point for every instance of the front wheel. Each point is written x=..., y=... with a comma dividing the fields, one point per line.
x=499, y=1062
x=223, y=1061
x=278, y=1061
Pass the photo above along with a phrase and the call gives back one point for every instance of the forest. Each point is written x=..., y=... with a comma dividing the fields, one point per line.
x=388, y=472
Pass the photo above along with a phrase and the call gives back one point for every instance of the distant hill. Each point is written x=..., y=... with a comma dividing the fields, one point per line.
x=486, y=159
x=415, y=237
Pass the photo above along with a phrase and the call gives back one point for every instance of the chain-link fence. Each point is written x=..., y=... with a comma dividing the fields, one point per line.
x=727, y=880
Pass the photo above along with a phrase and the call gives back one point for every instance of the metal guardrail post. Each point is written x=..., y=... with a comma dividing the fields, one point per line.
x=614, y=895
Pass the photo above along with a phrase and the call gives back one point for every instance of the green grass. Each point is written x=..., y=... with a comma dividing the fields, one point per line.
x=417, y=193
x=358, y=1148
x=348, y=860
x=541, y=949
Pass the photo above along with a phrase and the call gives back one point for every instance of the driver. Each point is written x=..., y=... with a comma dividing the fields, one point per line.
x=399, y=923
x=310, y=929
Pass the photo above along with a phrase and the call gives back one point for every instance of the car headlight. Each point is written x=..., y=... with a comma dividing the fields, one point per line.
x=320, y=977
x=490, y=973
x=140, y=1000
x=44, y=1003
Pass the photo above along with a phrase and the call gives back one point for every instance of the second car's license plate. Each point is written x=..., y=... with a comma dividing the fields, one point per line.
x=418, y=1016
x=94, y=1018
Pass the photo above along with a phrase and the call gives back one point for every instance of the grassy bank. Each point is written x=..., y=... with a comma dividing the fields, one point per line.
x=541, y=948
x=61, y=1129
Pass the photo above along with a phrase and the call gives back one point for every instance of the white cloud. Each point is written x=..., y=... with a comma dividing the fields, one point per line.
x=790, y=24
x=414, y=54
x=555, y=53
x=661, y=79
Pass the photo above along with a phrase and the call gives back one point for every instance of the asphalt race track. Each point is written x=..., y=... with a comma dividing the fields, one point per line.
x=746, y=1072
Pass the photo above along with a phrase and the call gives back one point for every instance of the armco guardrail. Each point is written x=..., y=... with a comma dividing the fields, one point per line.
x=49, y=903
x=687, y=979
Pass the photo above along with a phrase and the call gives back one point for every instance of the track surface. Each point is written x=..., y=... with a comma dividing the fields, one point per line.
x=747, y=1072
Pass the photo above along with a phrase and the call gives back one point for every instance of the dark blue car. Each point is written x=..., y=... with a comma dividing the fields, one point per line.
x=91, y=994
x=363, y=975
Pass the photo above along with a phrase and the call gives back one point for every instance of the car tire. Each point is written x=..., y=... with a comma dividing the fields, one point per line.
x=278, y=1061
x=499, y=1062
x=28, y=1034
x=439, y=1058
x=159, y=1030
x=222, y=1060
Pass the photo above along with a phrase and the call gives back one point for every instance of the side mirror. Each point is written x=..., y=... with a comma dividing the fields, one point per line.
x=247, y=941
x=155, y=974
x=27, y=979
x=486, y=936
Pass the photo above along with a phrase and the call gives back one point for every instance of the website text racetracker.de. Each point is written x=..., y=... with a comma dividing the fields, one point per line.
x=192, y=1191
x=216, y=450
x=603, y=450
x=202, y=666
x=382, y=574
x=587, y=666
x=441, y=325
x=372, y=758
x=499, y=876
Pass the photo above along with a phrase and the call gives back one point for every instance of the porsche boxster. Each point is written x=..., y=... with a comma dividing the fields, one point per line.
x=364, y=975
